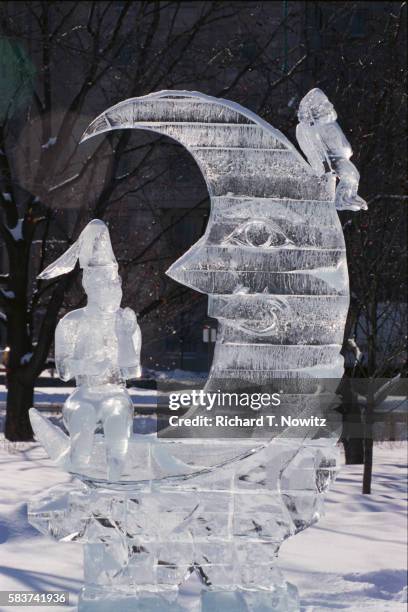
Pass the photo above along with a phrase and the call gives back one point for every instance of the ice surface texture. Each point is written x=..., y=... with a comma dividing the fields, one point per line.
x=273, y=263
x=99, y=346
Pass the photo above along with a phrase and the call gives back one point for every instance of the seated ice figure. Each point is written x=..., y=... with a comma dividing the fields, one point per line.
x=327, y=149
x=99, y=346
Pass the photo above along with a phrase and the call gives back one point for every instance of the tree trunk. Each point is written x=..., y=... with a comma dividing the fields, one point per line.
x=354, y=451
x=352, y=438
x=368, y=465
x=368, y=441
x=20, y=398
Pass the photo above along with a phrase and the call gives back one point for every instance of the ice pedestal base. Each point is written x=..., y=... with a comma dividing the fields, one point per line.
x=143, y=540
x=141, y=545
x=282, y=598
x=93, y=599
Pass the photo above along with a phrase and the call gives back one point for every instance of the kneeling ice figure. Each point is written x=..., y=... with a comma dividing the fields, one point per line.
x=327, y=149
x=99, y=346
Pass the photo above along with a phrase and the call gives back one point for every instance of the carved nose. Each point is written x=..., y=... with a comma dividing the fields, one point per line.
x=220, y=269
x=190, y=270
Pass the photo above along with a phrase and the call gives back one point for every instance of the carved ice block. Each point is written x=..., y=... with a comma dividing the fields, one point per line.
x=273, y=263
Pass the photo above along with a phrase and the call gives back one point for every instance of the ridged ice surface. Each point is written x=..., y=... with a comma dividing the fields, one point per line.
x=272, y=258
x=273, y=263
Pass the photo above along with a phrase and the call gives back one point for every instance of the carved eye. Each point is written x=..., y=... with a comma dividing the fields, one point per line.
x=258, y=234
x=266, y=317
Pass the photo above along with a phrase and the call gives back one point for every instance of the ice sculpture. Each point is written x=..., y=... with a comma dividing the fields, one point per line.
x=327, y=149
x=99, y=346
x=273, y=263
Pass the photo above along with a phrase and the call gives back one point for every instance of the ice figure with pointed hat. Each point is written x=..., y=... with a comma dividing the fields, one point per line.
x=99, y=346
x=273, y=263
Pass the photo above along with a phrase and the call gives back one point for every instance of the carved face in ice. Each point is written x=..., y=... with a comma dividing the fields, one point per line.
x=103, y=287
x=316, y=108
x=273, y=252
x=257, y=258
x=261, y=246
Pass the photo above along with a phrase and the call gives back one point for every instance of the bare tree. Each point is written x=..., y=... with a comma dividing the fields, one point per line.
x=362, y=66
x=73, y=60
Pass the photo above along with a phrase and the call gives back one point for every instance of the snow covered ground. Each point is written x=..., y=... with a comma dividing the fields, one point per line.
x=353, y=560
x=355, y=557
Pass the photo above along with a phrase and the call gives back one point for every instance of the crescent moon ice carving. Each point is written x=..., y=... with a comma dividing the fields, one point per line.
x=272, y=259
